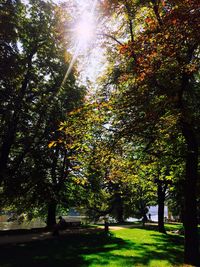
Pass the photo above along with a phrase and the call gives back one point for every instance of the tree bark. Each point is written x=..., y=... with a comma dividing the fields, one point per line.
x=191, y=253
x=120, y=212
x=51, y=217
x=119, y=208
x=161, y=206
x=10, y=134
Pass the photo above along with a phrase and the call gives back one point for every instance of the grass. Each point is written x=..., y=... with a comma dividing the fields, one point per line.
x=125, y=247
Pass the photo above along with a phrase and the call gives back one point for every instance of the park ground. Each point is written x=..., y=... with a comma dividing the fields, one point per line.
x=123, y=246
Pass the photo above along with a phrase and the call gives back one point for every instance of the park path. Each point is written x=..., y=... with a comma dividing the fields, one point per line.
x=119, y=227
x=23, y=238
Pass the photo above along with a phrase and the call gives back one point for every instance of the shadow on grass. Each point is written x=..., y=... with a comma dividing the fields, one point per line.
x=165, y=247
x=96, y=249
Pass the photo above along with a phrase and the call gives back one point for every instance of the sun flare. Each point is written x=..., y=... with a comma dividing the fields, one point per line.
x=83, y=34
x=84, y=31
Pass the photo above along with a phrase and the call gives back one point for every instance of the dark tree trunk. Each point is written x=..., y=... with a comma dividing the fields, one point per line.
x=8, y=141
x=51, y=217
x=119, y=209
x=161, y=206
x=10, y=134
x=191, y=253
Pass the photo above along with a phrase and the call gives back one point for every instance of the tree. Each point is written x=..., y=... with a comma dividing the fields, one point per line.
x=106, y=169
x=157, y=79
x=34, y=103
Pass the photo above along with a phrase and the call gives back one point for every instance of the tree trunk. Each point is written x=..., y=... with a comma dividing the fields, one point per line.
x=161, y=206
x=119, y=209
x=51, y=217
x=8, y=141
x=191, y=253
x=10, y=134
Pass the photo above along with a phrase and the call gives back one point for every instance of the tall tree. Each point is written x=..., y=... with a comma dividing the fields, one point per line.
x=34, y=103
x=158, y=78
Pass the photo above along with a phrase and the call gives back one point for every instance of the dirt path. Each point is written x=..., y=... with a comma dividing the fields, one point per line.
x=23, y=238
x=29, y=237
x=119, y=227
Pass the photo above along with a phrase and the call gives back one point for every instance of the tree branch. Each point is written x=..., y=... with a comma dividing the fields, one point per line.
x=155, y=4
x=111, y=37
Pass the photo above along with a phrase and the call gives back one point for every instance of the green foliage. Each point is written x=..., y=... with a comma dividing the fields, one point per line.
x=33, y=104
x=158, y=67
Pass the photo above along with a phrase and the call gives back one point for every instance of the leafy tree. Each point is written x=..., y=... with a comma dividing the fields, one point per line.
x=32, y=175
x=107, y=171
x=157, y=81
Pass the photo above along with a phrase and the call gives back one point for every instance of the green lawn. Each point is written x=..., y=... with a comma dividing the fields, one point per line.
x=126, y=247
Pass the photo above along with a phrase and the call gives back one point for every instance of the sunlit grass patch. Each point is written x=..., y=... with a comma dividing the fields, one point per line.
x=125, y=247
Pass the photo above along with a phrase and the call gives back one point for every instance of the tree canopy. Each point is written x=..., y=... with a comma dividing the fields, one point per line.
x=123, y=144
